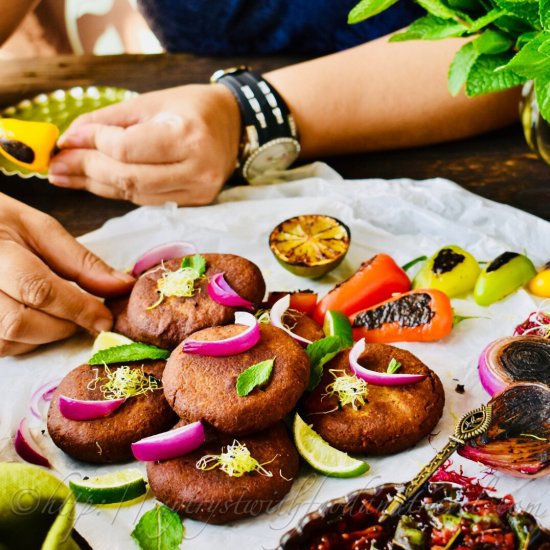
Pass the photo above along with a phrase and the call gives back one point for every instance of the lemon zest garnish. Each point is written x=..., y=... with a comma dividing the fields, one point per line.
x=350, y=390
x=180, y=283
x=235, y=461
x=124, y=382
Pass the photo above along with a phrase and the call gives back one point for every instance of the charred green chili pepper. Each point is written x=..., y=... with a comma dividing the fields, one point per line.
x=504, y=275
x=451, y=270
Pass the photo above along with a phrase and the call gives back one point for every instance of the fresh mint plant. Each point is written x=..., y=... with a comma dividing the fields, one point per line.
x=510, y=41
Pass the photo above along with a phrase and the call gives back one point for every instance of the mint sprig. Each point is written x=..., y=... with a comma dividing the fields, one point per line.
x=320, y=353
x=196, y=262
x=128, y=353
x=159, y=529
x=253, y=377
x=510, y=41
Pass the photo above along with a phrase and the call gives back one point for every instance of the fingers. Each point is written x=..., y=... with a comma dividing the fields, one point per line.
x=26, y=279
x=155, y=141
x=23, y=325
x=8, y=348
x=182, y=182
x=121, y=114
x=73, y=261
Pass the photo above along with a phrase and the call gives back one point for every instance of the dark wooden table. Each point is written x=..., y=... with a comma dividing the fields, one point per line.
x=498, y=165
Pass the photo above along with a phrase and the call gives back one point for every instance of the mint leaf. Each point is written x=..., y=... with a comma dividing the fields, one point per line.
x=320, y=353
x=254, y=376
x=439, y=9
x=393, y=366
x=196, y=262
x=485, y=20
x=492, y=42
x=530, y=61
x=159, y=529
x=524, y=38
x=430, y=27
x=542, y=88
x=460, y=67
x=368, y=8
x=545, y=14
x=526, y=10
x=464, y=5
x=127, y=353
x=484, y=77
x=512, y=25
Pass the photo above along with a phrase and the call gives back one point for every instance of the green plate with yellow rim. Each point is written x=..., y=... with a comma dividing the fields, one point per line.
x=60, y=107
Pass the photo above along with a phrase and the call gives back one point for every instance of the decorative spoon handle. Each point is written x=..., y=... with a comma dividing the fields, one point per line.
x=472, y=424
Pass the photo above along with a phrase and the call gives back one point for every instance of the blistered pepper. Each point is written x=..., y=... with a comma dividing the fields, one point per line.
x=375, y=280
x=26, y=143
x=540, y=283
x=422, y=315
x=451, y=270
x=504, y=275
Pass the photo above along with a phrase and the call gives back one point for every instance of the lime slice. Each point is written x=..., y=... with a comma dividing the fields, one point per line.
x=321, y=456
x=105, y=340
x=116, y=487
x=337, y=324
x=310, y=245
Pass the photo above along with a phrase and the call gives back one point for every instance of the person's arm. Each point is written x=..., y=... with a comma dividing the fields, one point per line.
x=181, y=144
x=13, y=12
x=385, y=96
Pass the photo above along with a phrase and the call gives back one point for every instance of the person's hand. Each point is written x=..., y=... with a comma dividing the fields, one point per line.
x=179, y=144
x=38, y=301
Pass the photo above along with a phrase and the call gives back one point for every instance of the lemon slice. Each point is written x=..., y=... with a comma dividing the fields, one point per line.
x=310, y=245
x=116, y=487
x=105, y=340
x=321, y=456
x=338, y=324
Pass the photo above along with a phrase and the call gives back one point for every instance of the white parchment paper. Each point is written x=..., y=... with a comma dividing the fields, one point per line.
x=404, y=218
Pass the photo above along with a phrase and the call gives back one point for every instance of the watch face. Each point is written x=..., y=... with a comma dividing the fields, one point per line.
x=277, y=155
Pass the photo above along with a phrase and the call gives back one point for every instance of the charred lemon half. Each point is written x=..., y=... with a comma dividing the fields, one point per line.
x=310, y=245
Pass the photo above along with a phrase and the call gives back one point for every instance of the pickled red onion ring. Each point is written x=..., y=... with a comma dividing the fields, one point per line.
x=276, y=318
x=79, y=409
x=163, y=252
x=170, y=444
x=229, y=346
x=220, y=291
x=378, y=378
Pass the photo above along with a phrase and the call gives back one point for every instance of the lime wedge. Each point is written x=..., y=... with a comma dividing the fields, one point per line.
x=337, y=324
x=321, y=456
x=116, y=487
x=105, y=340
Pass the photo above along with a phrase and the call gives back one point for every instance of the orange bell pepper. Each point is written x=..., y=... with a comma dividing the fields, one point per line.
x=422, y=315
x=376, y=280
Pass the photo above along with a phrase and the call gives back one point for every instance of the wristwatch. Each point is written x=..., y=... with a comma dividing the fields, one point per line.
x=270, y=138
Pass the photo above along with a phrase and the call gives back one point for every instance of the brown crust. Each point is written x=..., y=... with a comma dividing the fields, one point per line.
x=199, y=387
x=108, y=440
x=213, y=496
x=395, y=417
x=303, y=325
x=176, y=318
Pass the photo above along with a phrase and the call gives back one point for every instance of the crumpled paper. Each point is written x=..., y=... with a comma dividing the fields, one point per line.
x=404, y=218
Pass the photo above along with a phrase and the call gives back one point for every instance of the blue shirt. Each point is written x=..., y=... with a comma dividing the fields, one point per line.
x=239, y=27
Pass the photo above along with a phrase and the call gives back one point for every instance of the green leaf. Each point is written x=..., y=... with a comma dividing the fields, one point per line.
x=393, y=366
x=492, y=42
x=159, y=529
x=485, y=20
x=512, y=25
x=460, y=67
x=544, y=9
x=542, y=89
x=196, y=262
x=127, y=353
x=254, y=376
x=368, y=8
x=439, y=9
x=526, y=10
x=484, y=78
x=464, y=5
x=430, y=27
x=524, y=38
x=530, y=62
x=320, y=353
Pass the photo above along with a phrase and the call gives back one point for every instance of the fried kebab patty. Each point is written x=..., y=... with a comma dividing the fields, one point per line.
x=393, y=418
x=199, y=387
x=167, y=324
x=214, y=496
x=108, y=439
